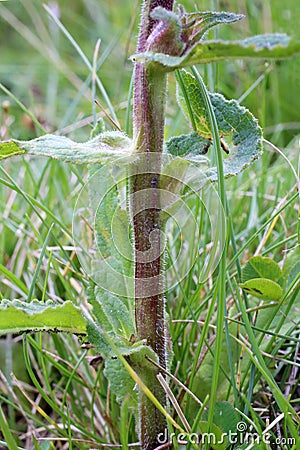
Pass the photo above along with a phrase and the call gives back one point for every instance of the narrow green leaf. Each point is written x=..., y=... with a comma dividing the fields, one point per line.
x=23, y=108
x=14, y=279
x=105, y=147
x=261, y=267
x=266, y=46
x=20, y=317
x=294, y=272
x=4, y=427
x=258, y=360
x=97, y=308
x=39, y=264
x=103, y=205
x=262, y=288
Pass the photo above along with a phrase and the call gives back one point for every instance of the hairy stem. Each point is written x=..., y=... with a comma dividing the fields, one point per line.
x=149, y=116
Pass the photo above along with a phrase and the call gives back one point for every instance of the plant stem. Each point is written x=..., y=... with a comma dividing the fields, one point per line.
x=149, y=116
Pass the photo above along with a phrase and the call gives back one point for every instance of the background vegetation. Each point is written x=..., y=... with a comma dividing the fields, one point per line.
x=56, y=398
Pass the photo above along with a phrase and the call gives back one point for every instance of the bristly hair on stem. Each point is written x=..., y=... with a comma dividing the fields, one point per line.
x=149, y=117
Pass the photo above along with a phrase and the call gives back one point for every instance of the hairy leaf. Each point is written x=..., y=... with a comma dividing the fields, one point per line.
x=189, y=146
x=108, y=259
x=105, y=147
x=113, y=318
x=234, y=121
x=113, y=313
x=120, y=381
x=175, y=34
x=264, y=46
x=204, y=21
x=99, y=337
x=111, y=222
x=165, y=36
x=19, y=317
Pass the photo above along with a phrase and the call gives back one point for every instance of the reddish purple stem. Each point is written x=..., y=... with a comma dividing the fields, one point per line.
x=149, y=115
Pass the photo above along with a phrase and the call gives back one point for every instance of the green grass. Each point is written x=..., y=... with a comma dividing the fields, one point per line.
x=56, y=398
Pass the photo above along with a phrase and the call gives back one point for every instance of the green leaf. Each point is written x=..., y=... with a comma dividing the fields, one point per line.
x=6, y=432
x=210, y=19
x=120, y=381
x=97, y=337
x=262, y=288
x=261, y=277
x=211, y=435
x=174, y=33
x=10, y=276
x=113, y=313
x=225, y=417
x=111, y=222
x=106, y=147
x=204, y=376
x=193, y=96
x=21, y=317
x=114, y=317
x=289, y=311
x=234, y=121
x=102, y=204
x=261, y=267
x=190, y=146
x=264, y=46
x=10, y=148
